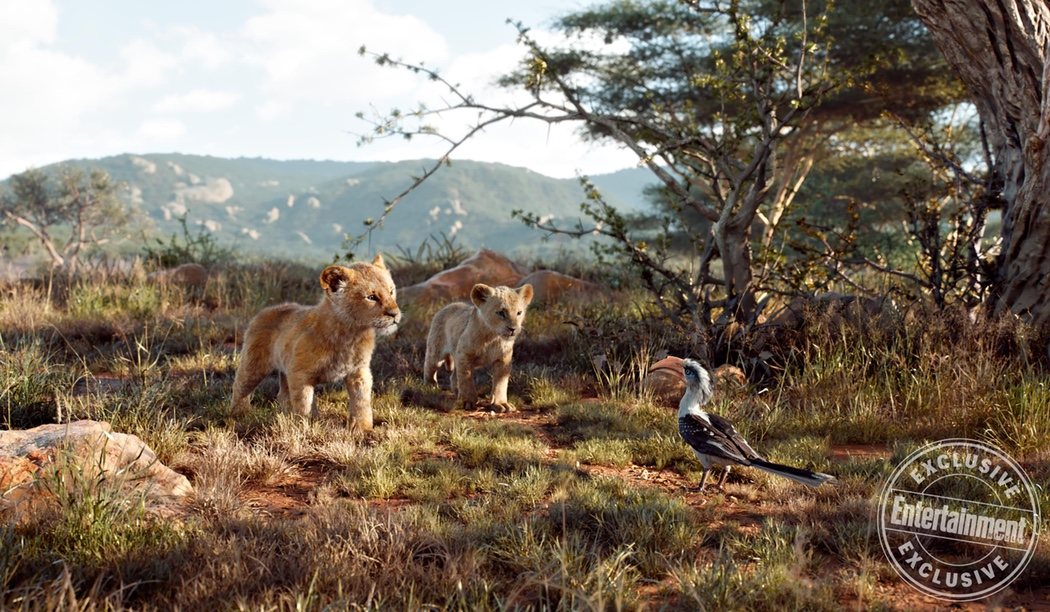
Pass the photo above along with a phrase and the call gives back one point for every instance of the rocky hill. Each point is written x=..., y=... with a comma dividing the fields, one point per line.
x=304, y=208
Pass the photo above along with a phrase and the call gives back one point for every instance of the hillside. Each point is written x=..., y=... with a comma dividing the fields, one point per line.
x=304, y=208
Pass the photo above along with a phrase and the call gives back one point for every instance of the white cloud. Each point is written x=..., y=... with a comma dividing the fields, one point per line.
x=554, y=150
x=205, y=49
x=302, y=44
x=272, y=109
x=154, y=130
x=146, y=64
x=198, y=100
x=283, y=82
x=60, y=96
x=27, y=22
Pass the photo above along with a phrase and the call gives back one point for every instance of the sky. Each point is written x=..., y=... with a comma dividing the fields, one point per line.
x=261, y=78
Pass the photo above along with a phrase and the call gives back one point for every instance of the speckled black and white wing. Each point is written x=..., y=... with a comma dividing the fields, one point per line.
x=723, y=425
x=709, y=440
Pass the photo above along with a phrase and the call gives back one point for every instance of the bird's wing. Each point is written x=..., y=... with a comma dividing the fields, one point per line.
x=708, y=440
x=723, y=425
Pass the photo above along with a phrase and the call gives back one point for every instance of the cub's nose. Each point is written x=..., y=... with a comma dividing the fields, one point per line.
x=395, y=315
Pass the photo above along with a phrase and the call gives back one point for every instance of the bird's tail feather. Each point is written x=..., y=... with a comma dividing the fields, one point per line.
x=806, y=477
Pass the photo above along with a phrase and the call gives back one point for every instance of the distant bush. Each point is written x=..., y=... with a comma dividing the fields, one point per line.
x=202, y=248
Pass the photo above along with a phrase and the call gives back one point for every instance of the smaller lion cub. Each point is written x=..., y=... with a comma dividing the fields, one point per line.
x=332, y=340
x=466, y=337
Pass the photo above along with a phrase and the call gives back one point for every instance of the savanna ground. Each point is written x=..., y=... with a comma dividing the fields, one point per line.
x=582, y=499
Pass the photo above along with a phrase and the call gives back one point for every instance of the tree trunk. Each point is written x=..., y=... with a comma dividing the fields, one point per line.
x=734, y=248
x=1000, y=49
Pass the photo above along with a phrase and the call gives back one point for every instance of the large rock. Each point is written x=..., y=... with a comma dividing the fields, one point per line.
x=666, y=381
x=549, y=286
x=31, y=460
x=491, y=268
x=189, y=275
x=485, y=266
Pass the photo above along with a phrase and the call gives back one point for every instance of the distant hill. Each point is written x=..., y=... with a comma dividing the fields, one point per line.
x=303, y=208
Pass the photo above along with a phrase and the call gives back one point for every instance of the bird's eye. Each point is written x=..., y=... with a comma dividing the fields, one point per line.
x=373, y=298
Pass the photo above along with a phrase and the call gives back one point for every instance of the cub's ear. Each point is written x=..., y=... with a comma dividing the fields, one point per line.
x=480, y=293
x=378, y=261
x=336, y=278
x=525, y=291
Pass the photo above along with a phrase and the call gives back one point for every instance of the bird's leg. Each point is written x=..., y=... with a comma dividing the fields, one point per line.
x=703, y=480
x=722, y=481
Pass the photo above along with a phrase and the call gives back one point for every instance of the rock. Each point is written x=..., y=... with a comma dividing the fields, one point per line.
x=491, y=268
x=485, y=266
x=190, y=275
x=666, y=381
x=30, y=458
x=549, y=286
x=729, y=377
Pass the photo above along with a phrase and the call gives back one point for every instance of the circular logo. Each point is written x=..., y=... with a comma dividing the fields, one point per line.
x=959, y=519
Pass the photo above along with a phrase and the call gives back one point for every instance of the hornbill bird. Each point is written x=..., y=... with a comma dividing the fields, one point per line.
x=714, y=439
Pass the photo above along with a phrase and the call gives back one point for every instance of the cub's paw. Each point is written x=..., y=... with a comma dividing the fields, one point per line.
x=502, y=407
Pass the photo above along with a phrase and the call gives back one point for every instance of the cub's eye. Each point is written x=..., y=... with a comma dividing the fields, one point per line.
x=373, y=297
x=519, y=312
x=502, y=314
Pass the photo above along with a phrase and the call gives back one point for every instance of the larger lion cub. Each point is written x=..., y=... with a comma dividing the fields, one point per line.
x=332, y=340
x=465, y=337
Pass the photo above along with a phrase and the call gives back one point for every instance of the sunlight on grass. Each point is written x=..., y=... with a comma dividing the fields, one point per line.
x=440, y=509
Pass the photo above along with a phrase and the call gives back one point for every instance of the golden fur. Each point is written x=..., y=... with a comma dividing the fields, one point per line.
x=311, y=345
x=464, y=337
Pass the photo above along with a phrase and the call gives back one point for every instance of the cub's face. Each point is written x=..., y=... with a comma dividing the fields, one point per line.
x=363, y=295
x=502, y=308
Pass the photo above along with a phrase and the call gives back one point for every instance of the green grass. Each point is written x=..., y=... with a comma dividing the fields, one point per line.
x=438, y=508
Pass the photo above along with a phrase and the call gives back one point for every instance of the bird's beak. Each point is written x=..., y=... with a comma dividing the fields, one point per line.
x=672, y=365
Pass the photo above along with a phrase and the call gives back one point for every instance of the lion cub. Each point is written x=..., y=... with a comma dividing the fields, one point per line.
x=465, y=337
x=310, y=345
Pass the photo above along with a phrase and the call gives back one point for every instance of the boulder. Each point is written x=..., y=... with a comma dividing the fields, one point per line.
x=666, y=381
x=485, y=266
x=549, y=286
x=31, y=459
x=729, y=377
x=190, y=275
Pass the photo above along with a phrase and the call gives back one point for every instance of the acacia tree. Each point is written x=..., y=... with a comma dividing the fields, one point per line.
x=729, y=104
x=79, y=212
x=1001, y=51
x=704, y=96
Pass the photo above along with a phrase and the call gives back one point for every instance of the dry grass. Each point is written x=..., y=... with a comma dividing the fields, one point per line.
x=580, y=501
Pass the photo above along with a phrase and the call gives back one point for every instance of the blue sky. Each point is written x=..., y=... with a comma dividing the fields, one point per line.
x=270, y=78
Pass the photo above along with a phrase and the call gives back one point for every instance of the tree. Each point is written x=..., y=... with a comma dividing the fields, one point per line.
x=704, y=96
x=79, y=212
x=729, y=104
x=1001, y=51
